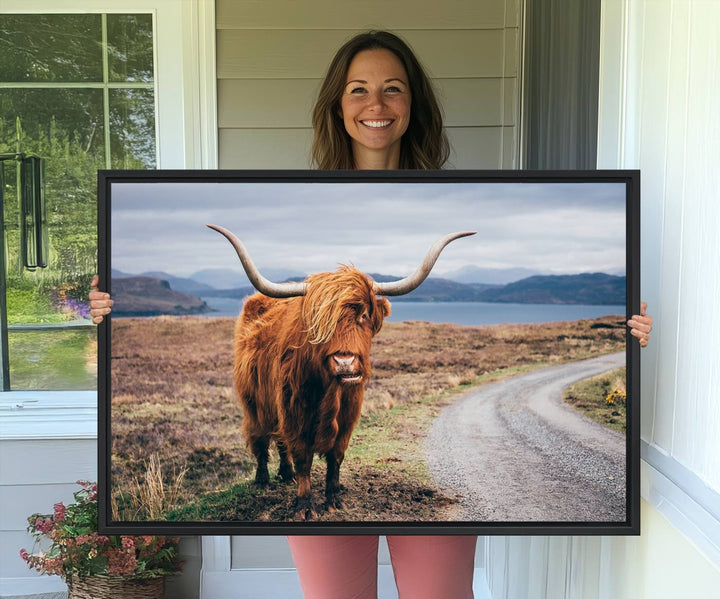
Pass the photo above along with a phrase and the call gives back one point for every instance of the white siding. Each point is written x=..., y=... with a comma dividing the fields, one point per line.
x=271, y=58
x=672, y=133
x=660, y=564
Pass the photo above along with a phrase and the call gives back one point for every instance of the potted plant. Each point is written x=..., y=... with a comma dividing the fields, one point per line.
x=95, y=566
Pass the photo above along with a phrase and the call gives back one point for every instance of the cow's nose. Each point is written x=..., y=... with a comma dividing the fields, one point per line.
x=344, y=361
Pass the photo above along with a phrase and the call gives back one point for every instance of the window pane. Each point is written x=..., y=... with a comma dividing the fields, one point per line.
x=48, y=117
x=50, y=48
x=132, y=128
x=130, y=47
x=51, y=346
x=53, y=360
x=65, y=128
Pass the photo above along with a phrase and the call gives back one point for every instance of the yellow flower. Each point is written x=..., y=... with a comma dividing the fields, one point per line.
x=615, y=396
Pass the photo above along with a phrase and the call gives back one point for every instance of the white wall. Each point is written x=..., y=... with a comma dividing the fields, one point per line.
x=39, y=465
x=660, y=84
x=659, y=564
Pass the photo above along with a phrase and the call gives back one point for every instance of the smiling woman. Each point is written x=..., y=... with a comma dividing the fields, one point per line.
x=365, y=104
x=375, y=108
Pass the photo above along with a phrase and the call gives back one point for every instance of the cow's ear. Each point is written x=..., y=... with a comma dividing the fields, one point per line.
x=381, y=312
x=384, y=306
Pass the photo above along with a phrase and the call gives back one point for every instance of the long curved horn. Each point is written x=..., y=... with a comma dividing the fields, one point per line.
x=260, y=283
x=407, y=284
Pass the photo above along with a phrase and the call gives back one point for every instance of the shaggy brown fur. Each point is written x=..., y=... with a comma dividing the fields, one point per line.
x=301, y=366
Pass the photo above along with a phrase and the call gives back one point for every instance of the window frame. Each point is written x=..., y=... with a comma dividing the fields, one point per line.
x=183, y=32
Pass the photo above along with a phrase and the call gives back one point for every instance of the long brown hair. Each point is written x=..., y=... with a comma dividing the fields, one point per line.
x=424, y=145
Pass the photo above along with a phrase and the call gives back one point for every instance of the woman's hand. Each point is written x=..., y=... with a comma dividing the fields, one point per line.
x=641, y=325
x=100, y=302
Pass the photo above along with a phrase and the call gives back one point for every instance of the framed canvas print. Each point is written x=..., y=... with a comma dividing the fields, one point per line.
x=415, y=352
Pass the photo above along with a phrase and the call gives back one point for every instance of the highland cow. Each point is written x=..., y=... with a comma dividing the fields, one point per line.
x=302, y=360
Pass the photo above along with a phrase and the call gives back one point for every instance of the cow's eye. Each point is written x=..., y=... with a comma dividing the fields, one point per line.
x=361, y=313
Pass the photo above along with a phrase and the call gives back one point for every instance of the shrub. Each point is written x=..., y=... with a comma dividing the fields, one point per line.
x=77, y=550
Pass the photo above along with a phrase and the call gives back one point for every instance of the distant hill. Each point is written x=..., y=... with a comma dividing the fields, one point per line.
x=149, y=296
x=166, y=294
x=238, y=293
x=435, y=289
x=586, y=288
x=181, y=284
x=489, y=276
x=228, y=278
x=221, y=278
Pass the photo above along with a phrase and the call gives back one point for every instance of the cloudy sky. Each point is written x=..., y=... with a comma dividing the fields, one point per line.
x=561, y=228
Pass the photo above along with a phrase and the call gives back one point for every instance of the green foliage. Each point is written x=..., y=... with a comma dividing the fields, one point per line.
x=67, y=359
x=71, y=220
x=66, y=127
x=27, y=304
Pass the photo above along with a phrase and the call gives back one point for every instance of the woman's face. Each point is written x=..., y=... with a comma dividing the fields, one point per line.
x=375, y=106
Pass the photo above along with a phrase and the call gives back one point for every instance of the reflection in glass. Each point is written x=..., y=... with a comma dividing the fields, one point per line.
x=132, y=128
x=38, y=48
x=65, y=127
x=53, y=359
x=63, y=120
x=130, y=47
x=67, y=114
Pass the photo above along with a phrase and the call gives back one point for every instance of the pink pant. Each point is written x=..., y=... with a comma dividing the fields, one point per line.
x=336, y=567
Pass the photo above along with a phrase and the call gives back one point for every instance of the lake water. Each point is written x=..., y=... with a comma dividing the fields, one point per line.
x=466, y=313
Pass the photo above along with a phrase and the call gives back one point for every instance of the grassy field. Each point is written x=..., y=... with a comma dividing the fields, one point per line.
x=173, y=405
x=593, y=398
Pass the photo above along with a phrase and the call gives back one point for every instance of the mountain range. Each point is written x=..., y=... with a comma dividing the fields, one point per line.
x=160, y=293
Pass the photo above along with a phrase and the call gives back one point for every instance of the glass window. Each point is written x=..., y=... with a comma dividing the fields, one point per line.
x=130, y=42
x=77, y=91
x=43, y=48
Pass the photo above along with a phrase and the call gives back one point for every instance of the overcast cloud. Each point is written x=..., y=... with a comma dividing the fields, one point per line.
x=379, y=227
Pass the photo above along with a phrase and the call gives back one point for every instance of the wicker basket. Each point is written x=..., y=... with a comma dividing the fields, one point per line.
x=116, y=587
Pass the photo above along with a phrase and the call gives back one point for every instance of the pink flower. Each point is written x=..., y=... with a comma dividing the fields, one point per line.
x=121, y=562
x=44, y=526
x=25, y=555
x=53, y=565
x=59, y=512
x=128, y=543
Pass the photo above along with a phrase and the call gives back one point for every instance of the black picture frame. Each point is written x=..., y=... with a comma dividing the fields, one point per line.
x=199, y=186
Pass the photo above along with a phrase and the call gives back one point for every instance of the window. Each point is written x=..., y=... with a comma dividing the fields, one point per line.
x=77, y=91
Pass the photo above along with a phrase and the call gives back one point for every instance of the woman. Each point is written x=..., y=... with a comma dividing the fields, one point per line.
x=377, y=110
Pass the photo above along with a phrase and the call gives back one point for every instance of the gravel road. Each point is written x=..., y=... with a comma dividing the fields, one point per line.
x=515, y=452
